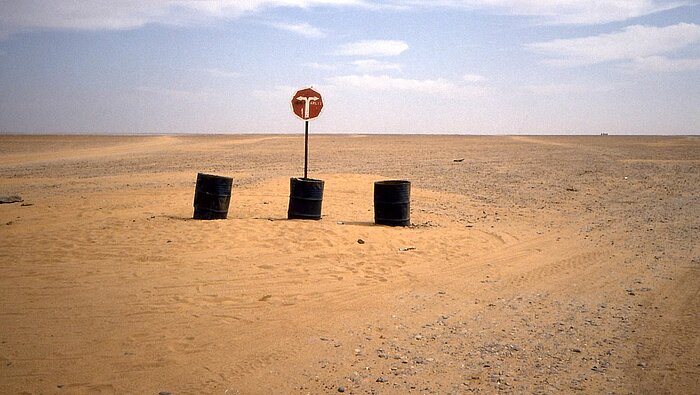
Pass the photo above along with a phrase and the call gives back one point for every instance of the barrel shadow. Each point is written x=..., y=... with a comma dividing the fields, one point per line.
x=356, y=223
x=177, y=217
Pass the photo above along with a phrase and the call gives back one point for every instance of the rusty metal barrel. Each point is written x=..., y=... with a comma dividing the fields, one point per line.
x=212, y=196
x=305, y=198
x=392, y=202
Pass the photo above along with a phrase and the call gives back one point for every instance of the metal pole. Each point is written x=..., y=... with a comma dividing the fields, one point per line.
x=306, y=149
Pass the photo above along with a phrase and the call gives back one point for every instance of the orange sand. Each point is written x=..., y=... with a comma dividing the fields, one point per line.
x=535, y=265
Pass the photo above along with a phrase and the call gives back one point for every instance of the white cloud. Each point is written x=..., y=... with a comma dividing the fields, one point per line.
x=631, y=43
x=473, y=78
x=372, y=65
x=662, y=64
x=237, y=7
x=558, y=11
x=371, y=82
x=302, y=29
x=27, y=15
x=373, y=48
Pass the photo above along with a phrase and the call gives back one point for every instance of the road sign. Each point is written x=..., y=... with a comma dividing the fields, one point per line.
x=307, y=104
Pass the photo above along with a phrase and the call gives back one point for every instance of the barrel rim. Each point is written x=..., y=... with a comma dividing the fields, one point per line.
x=214, y=176
x=307, y=180
x=392, y=182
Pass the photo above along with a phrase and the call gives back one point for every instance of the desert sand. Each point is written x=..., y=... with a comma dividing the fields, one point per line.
x=533, y=265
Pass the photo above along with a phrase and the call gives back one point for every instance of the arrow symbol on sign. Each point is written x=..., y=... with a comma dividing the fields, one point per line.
x=307, y=100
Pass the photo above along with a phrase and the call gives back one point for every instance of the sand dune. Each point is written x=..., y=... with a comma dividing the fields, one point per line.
x=537, y=264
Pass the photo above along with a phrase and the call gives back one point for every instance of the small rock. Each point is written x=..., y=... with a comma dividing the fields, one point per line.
x=576, y=350
x=642, y=364
x=164, y=393
x=341, y=389
x=458, y=160
x=10, y=199
x=382, y=380
x=360, y=241
x=407, y=248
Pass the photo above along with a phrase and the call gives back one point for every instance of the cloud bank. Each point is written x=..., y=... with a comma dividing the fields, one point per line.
x=583, y=12
x=302, y=29
x=29, y=15
x=631, y=43
x=383, y=82
x=18, y=16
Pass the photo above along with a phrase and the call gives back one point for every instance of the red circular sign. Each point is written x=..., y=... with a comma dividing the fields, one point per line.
x=307, y=104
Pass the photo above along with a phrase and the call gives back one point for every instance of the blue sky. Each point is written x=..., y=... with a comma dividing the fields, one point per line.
x=452, y=66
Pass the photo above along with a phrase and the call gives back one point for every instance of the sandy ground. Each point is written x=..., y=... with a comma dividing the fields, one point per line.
x=535, y=265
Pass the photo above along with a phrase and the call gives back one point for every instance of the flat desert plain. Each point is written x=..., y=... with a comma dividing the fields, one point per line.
x=532, y=265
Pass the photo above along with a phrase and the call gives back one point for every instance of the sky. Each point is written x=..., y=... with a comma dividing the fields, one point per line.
x=385, y=66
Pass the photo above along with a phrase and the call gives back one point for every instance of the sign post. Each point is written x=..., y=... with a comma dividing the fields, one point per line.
x=306, y=194
x=306, y=149
x=306, y=105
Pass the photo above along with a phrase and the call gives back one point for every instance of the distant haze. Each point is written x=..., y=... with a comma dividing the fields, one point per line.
x=460, y=66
